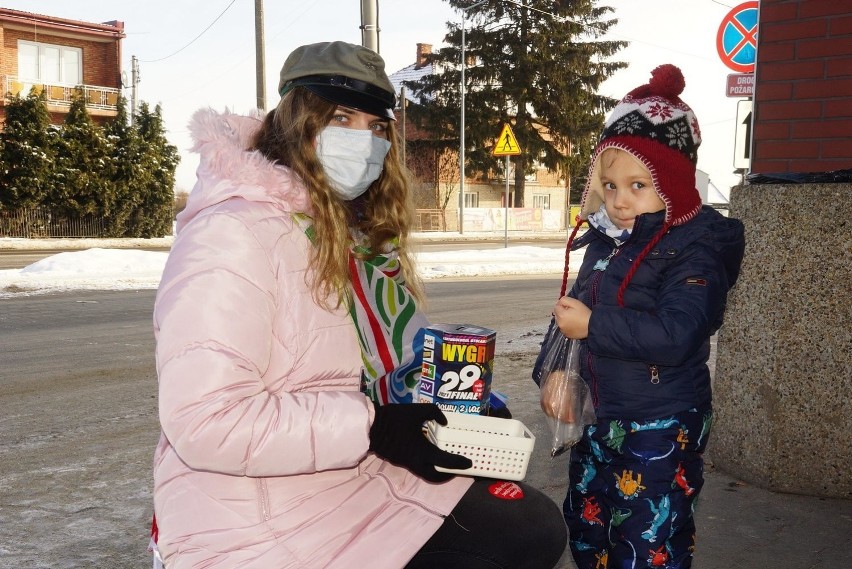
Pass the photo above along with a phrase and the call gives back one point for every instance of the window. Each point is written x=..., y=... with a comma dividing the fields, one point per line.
x=528, y=177
x=45, y=63
x=541, y=201
x=471, y=199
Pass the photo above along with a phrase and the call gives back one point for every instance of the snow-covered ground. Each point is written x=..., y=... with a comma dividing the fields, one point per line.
x=102, y=264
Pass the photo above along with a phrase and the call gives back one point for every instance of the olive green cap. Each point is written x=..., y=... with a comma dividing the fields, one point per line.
x=343, y=73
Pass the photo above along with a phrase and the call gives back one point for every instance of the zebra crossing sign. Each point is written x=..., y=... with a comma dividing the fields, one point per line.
x=507, y=144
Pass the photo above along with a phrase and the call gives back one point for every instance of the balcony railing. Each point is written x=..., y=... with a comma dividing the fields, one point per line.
x=101, y=98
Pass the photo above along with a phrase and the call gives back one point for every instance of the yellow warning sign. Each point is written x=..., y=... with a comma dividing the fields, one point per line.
x=507, y=144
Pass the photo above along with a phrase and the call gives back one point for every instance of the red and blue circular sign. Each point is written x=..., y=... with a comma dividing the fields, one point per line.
x=736, y=40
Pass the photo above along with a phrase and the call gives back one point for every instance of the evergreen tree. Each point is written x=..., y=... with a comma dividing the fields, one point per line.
x=153, y=216
x=28, y=142
x=125, y=170
x=79, y=184
x=536, y=64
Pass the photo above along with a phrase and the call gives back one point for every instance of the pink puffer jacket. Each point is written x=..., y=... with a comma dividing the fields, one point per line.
x=263, y=462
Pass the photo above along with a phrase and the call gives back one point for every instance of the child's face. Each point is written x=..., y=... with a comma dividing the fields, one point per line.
x=628, y=188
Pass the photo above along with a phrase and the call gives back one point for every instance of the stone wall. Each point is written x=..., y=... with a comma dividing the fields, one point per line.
x=783, y=378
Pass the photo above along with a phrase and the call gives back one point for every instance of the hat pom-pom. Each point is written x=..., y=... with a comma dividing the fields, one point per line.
x=667, y=81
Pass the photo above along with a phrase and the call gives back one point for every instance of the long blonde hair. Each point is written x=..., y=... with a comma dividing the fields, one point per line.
x=287, y=137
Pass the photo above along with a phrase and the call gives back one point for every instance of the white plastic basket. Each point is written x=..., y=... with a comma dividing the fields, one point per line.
x=499, y=448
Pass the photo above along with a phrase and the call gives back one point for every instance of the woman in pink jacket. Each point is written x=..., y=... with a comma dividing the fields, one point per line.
x=288, y=440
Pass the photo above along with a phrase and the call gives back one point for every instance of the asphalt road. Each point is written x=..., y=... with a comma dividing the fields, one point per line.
x=20, y=258
x=78, y=419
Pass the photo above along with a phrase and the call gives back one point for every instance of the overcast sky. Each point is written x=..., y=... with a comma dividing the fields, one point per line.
x=201, y=53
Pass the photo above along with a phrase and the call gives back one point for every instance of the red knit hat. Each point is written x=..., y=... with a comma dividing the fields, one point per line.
x=659, y=130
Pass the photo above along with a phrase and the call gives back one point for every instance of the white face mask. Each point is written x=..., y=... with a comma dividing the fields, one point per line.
x=352, y=159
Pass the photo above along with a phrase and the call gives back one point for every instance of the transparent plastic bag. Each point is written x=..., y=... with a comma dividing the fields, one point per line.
x=565, y=397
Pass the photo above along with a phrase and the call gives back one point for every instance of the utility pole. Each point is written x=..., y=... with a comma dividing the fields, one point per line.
x=370, y=24
x=260, y=55
x=461, y=130
x=134, y=81
x=402, y=104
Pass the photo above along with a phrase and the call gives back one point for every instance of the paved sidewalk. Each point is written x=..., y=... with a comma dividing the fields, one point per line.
x=740, y=525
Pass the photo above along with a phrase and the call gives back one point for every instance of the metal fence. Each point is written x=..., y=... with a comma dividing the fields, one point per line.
x=430, y=220
x=96, y=97
x=39, y=223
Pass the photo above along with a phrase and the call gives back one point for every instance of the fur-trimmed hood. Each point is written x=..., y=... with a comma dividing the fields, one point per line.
x=228, y=170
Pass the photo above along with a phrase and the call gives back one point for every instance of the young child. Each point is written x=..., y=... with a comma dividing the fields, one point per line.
x=649, y=295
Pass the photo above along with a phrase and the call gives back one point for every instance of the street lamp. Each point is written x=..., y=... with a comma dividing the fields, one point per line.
x=461, y=132
x=462, y=90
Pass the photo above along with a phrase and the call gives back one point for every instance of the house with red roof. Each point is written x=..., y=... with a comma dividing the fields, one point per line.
x=55, y=56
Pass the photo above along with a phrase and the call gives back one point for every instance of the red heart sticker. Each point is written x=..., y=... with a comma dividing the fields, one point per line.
x=506, y=490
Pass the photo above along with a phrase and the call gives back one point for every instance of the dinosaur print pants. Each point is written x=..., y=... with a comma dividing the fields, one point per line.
x=632, y=491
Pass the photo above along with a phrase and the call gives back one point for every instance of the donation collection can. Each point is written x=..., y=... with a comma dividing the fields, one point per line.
x=458, y=364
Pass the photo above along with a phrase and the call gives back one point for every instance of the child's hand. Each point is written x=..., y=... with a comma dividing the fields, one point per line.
x=572, y=317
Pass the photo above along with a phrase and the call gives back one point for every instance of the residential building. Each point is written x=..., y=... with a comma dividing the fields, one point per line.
x=55, y=56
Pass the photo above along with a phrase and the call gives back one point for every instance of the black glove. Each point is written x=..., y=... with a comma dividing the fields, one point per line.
x=397, y=436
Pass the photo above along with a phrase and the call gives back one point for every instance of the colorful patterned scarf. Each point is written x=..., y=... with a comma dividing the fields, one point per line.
x=388, y=323
x=600, y=219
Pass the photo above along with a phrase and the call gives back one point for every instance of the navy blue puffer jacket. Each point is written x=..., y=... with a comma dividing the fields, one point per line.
x=648, y=359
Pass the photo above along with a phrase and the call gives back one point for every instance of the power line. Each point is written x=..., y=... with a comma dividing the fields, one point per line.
x=269, y=38
x=228, y=7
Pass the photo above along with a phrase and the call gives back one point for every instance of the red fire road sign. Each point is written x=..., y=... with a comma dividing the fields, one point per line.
x=736, y=40
x=740, y=85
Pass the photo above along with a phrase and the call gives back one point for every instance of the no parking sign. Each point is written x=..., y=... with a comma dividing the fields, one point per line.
x=736, y=40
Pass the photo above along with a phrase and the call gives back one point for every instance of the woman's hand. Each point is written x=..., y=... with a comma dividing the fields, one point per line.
x=572, y=317
x=396, y=435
